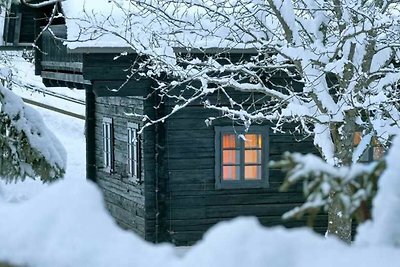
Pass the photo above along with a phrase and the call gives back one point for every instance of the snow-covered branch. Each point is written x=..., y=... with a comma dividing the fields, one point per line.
x=28, y=148
x=42, y=4
x=356, y=184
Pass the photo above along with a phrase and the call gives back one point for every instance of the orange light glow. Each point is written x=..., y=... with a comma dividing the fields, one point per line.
x=231, y=156
x=252, y=141
x=230, y=173
x=252, y=156
x=357, y=138
x=252, y=172
x=229, y=141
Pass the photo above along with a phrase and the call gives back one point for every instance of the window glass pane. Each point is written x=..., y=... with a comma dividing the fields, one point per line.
x=252, y=140
x=228, y=140
x=252, y=172
x=230, y=172
x=129, y=136
x=252, y=156
x=231, y=156
x=357, y=138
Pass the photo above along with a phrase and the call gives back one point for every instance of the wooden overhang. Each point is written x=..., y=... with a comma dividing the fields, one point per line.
x=103, y=69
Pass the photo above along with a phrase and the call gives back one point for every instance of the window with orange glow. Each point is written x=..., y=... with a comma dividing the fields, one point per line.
x=242, y=157
x=375, y=152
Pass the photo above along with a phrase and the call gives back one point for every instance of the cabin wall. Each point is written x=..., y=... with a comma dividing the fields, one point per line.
x=192, y=200
x=124, y=198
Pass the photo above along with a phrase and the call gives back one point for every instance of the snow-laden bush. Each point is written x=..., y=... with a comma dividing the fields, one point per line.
x=27, y=147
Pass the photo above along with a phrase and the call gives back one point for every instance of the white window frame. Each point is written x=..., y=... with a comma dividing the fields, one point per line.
x=133, y=151
x=108, y=144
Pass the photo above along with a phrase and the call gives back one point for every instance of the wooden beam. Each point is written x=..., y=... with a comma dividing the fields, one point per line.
x=45, y=106
x=57, y=65
x=66, y=77
x=17, y=29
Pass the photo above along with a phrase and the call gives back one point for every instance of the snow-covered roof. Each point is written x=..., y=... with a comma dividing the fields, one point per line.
x=125, y=24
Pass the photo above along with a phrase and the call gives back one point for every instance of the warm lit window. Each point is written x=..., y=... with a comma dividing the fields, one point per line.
x=241, y=158
x=133, y=152
x=374, y=152
x=108, y=150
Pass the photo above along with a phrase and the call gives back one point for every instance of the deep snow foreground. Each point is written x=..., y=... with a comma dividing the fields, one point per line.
x=67, y=225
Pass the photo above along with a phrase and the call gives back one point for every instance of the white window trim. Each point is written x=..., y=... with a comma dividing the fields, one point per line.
x=133, y=151
x=108, y=145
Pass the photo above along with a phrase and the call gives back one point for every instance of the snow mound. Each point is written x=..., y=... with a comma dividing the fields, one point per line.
x=67, y=225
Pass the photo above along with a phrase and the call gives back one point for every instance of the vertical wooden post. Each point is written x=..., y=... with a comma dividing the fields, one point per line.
x=17, y=29
x=90, y=135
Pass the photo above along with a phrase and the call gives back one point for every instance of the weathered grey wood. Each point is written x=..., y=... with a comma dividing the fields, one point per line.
x=133, y=87
x=67, y=66
x=67, y=77
x=52, y=108
x=109, y=66
x=17, y=29
x=126, y=198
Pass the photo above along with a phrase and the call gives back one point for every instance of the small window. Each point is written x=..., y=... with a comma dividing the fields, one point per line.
x=133, y=164
x=108, y=145
x=241, y=157
x=374, y=152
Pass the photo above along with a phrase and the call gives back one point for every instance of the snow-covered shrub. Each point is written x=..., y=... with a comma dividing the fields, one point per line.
x=27, y=147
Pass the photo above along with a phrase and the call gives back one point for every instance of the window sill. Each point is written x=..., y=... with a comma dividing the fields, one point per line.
x=241, y=184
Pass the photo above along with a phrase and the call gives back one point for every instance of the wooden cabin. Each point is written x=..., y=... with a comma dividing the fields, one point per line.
x=23, y=23
x=180, y=177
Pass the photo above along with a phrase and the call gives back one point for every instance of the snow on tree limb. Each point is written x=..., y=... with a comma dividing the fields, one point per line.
x=320, y=179
x=28, y=148
x=42, y=4
x=384, y=228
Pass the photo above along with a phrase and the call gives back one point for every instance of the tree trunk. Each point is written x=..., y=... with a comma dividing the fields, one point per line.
x=338, y=224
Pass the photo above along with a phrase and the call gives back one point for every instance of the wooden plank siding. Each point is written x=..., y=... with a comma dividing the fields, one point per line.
x=193, y=203
x=178, y=201
x=124, y=198
x=55, y=64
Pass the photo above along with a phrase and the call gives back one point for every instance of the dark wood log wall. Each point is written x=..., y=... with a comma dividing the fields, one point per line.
x=194, y=205
x=177, y=200
x=124, y=197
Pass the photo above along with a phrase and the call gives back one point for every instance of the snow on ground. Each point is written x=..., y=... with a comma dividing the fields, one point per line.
x=67, y=225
